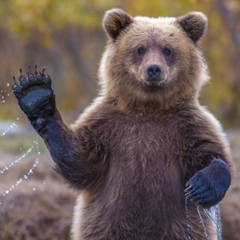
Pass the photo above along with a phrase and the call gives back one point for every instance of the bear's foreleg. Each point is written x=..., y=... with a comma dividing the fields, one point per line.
x=37, y=100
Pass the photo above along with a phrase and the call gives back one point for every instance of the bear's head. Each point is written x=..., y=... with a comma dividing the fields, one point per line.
x=153, y=59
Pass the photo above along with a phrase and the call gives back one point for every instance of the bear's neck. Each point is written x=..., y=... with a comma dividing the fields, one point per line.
x=130, y=105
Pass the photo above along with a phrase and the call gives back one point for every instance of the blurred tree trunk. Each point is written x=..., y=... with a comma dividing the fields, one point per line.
x=233, y=113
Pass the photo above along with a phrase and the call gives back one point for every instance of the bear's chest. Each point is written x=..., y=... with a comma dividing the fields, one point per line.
x=145, y=143
x=146, y=155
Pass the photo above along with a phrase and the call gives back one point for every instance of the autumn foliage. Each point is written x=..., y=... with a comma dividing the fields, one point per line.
x=67, y=38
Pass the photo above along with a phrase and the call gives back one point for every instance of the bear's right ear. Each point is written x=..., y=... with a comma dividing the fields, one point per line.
x=194, y=24
x=114, y=21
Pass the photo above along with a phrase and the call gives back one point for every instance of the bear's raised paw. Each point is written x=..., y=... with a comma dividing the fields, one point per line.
x=34, y=94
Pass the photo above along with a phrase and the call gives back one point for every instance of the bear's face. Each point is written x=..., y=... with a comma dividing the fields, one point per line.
x=153, y=59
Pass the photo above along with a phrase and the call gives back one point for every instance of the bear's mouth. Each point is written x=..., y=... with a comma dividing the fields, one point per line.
x=152, y=86
x=153, y=82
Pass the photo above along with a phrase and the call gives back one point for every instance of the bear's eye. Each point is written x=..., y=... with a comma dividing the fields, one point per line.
x=141, y=51
x=167, y=51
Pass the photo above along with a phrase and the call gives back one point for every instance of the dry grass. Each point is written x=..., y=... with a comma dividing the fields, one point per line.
x=41, y=207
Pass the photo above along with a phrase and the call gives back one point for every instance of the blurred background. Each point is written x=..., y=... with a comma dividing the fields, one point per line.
x=67, y=37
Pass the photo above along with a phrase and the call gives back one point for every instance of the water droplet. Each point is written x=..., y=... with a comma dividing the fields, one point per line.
x=202, y=222
x=214, y=214
x=4, y=96
x=189, y=226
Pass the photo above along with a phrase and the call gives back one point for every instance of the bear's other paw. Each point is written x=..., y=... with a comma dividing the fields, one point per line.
x=208, y=186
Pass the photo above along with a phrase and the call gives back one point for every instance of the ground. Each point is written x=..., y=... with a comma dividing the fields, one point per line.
x=230, y=206
x=41, y=206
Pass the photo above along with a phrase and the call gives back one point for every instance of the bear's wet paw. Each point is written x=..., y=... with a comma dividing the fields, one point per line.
x=199, y=189
x=208, y=186
x=34, y=93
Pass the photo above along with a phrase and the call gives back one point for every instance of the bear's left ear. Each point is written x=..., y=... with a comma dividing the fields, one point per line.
x=194, y=24
x=114, y=21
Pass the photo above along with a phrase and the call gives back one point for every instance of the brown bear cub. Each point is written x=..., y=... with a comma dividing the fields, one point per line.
x=146, y=145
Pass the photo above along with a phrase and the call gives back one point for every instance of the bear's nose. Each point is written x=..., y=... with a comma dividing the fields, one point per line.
x=154, y=71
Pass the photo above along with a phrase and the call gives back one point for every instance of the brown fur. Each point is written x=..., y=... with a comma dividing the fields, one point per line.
x=140, y=143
